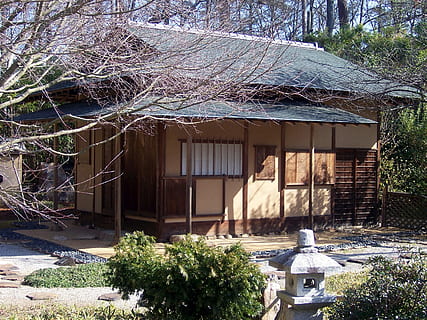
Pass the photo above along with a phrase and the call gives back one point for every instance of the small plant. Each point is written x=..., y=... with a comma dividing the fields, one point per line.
x=393, y=290
x=192, y=281
x=80, y=276
x=59, y=312
x=338, y=283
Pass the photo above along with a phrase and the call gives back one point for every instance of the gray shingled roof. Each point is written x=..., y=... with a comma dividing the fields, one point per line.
x=255, y=60
x=293, y=111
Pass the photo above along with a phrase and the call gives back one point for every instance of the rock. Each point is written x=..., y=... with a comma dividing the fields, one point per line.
x=9, y=285
x=8, y=273
x=179, y=237
x=245, y=235
x=7, y=267
x=228, y=236
x=60, y=238
x=42, y=296
x=66, y=261
x=110, y=296
x=85, y=237
x=17, y=278
x=221, y=237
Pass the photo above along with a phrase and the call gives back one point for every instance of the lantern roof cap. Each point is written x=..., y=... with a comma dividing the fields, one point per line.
x=305, y=258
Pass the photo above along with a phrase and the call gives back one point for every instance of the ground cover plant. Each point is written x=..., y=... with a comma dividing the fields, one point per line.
x=192, y=281
x=392, y=290
x=79, y=276
x=59, y=312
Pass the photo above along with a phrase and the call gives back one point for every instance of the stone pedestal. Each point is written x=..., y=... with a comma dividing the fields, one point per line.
x=305, y=280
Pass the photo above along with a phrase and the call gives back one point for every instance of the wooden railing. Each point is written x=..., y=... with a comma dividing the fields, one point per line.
x=404, y=210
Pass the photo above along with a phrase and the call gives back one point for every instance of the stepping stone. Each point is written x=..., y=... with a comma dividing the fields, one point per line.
x=8, y=273
x=66, y=261
x=42, y=296
x=9, y=285
x=14, y=278
x=7, y=267
x=110, y=296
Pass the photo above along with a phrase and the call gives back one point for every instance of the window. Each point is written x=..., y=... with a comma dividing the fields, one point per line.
x=213, y=158
x=265, y=162
x=298, y=167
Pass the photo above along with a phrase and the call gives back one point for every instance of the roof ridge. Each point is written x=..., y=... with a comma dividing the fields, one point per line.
x=307, y=45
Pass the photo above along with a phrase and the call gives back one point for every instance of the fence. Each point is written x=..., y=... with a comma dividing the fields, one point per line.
x=404, y=210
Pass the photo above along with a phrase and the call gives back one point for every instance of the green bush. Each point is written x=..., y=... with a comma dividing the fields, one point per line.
x=393, y=290
x=80, y=276
x=191, y=281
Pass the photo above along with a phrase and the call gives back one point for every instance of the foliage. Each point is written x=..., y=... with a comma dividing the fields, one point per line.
x=80, y=276
x=392, y=53
x=393, y=290
x=404, y=161
x=338, y=283
x=55, y=312
x=191, y=281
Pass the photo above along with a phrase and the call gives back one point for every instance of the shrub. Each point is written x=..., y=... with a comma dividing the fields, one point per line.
x=191, y=281
x=393, y=290
x=80, y=276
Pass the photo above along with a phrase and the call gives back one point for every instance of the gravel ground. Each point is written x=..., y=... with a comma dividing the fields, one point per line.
x=15, y=250
x=28, y=261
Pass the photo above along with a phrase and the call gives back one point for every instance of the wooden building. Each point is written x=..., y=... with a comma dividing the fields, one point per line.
x=270, y=165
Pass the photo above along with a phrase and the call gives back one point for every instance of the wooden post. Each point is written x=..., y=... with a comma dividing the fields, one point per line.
x=189, y=186
x=118, y=188
x=245, y=176
x=384, y=208
x=93, y=163
x=282, y=168
x=311, y=180
x=335, y=176
x=55, y=170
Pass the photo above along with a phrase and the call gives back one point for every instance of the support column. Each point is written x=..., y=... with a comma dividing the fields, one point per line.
x=55, y=170
x=311, y=180
x=118, y=188
x=189, y=185
x=245, y=176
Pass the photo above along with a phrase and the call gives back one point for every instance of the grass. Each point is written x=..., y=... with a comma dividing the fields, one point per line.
x=80, y=276
x=338, y=283
x=60, y=312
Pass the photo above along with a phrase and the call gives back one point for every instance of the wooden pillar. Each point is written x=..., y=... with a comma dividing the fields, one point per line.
x=333, y=186
x=92, y=150
x=282, y=167
x=160, y=173
x=55, y=170
x=118, y=188
x=189, y=185
x=311, y=180
x=245, y=176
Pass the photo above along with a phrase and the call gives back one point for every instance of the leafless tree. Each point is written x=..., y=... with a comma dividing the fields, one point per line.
x=89, y=45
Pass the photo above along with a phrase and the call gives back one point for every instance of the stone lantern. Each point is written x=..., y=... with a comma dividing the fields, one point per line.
x=305, y=280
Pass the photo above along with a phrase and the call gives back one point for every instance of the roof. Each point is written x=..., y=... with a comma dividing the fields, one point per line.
x=290, y=110
x=255, y=60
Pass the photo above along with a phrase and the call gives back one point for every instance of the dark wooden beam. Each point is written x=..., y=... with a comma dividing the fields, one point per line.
x=189, y=185
x=55, y=170
x=311, y=180
x=245, y=176
x=118, y=188
x=282, y=168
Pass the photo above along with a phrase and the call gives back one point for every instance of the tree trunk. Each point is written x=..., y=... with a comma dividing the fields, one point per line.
x=343, y=13
x=330, y=16
x=304, y=18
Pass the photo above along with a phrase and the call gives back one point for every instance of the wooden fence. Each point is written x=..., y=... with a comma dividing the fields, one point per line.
x=404, y=210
